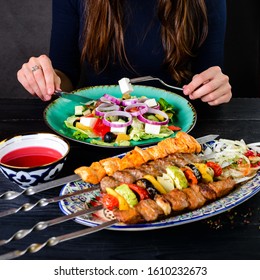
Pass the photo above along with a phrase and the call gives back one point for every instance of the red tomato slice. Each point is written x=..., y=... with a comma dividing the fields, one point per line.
x=110, y=202
x=174, y=128
x=100, y=129
x=216, y=168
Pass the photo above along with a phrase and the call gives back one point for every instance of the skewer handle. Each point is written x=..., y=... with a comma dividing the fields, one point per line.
x=35, y=247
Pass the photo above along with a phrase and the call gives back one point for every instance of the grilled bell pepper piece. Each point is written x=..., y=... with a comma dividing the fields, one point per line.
x=127, y=194
x=205, y=172
x=141, y=192
x=155, y=183
x=123, y=205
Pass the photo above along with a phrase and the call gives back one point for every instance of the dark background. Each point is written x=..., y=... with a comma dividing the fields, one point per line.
x=25, y=31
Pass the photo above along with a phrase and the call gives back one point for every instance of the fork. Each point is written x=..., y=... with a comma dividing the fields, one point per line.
x=151, y=78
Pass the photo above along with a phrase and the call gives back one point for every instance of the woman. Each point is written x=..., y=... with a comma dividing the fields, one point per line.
x=95, y=42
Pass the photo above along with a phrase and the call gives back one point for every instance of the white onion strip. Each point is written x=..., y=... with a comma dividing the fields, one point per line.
x=119, y=114
x=155, y=112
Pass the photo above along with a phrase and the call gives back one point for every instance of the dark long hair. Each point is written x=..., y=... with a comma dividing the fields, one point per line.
x=184, y=28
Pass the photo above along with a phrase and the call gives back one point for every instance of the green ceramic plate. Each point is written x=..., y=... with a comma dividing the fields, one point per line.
x=58, y=111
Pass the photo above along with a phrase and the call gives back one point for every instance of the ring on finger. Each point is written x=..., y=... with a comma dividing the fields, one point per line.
x=36, y=67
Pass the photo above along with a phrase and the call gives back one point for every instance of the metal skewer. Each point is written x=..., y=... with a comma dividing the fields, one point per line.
x=45, y=201
x=45, y=224
x=9, y=195
x=35, y=247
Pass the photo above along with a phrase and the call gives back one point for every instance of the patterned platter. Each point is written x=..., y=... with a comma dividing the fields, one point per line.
x=70, y=205
x=59, y=110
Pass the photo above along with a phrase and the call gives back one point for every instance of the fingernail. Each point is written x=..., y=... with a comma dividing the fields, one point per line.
x=50, y=91
x=47, y=97
x=186, y=91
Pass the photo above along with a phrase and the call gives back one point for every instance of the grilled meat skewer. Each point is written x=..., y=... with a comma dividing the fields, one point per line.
x=155, y=168
x=191, y=198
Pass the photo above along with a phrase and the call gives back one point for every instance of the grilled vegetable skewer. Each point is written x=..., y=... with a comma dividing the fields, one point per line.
x=174, y=202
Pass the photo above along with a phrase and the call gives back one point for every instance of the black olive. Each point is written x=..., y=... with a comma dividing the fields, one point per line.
x=195, y=171
x=74, y=123
x=109, y=137
x=144, y=183
x=124, y=118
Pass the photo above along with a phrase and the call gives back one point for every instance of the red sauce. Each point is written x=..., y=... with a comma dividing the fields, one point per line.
x=31, y=157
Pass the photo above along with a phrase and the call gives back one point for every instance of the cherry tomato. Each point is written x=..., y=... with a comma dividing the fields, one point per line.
x=216, y=168
x=174, y=128
x=109, y=201
x=249, y=153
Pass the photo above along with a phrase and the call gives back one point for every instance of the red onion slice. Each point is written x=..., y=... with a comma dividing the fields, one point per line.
x=154, y=111
x=130, y=101
x=117, y=113
x=106, y=107
x=112, y=99
x=142, y=109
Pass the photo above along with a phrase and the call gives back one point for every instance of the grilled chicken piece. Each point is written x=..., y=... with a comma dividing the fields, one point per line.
x=149, y=210
x=130, y=216
x=222, y=187
x=178, y=199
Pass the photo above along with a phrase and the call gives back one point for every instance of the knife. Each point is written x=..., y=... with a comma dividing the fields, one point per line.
x=73, y=96
x=71, y=178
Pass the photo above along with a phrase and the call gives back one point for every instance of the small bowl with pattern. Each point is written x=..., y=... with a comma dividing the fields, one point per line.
x=32, y=159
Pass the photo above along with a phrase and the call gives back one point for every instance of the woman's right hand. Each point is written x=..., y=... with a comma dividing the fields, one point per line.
x=39, y=78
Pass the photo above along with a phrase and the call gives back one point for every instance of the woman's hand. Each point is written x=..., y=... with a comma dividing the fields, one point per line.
x=39, y=78
x=211, y=86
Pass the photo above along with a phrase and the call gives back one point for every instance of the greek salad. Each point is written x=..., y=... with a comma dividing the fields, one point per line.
x=111, y=121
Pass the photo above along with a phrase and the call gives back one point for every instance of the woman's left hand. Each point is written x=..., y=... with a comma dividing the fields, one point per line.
x=211, y=86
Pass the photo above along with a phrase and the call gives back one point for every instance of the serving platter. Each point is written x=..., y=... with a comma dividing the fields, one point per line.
x=73, y=204
x=60, y=109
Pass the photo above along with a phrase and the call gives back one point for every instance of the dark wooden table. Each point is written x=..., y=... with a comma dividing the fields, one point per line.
x=232, y=235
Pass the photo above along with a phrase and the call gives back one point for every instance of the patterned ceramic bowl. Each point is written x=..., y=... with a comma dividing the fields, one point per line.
x=31, y=159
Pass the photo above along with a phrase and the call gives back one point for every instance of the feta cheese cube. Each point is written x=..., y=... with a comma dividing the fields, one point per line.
x=151, y=102
x=90, y=122
x=118, y=129
x=125, y=86
x=78, y=110
x=152, y=128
